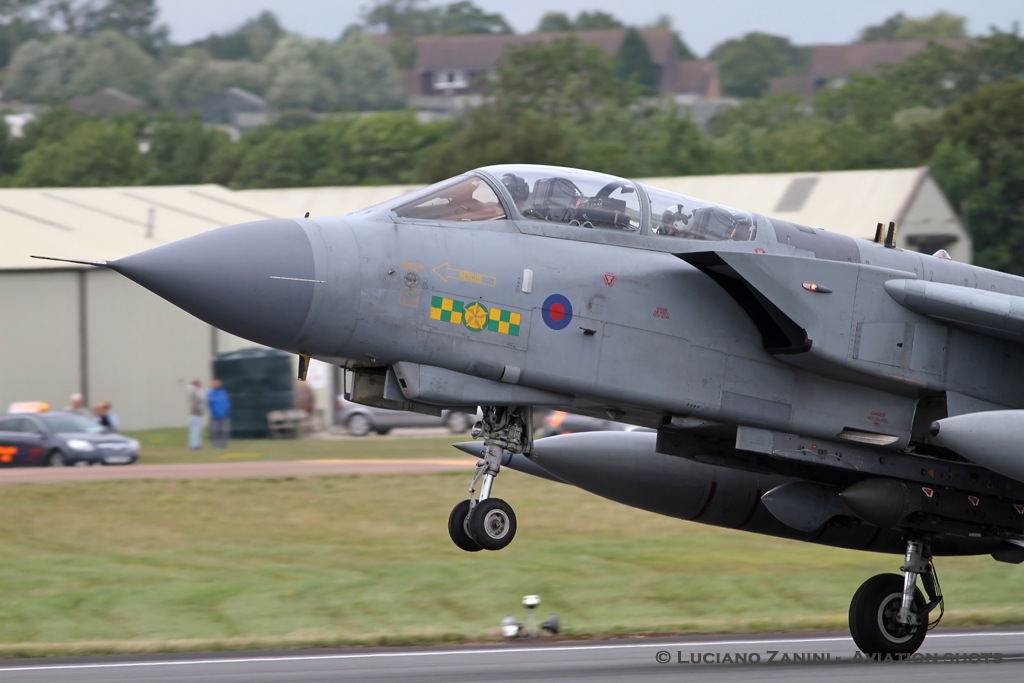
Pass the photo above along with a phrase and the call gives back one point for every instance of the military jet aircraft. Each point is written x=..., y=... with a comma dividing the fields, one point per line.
x=792, y=382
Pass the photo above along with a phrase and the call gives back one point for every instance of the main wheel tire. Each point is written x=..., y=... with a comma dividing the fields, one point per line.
x=358, y=425
x=873, y=622
x=457, y=528
x=492, y=524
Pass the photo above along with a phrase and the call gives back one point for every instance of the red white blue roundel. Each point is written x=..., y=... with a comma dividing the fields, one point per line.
x=557, y=312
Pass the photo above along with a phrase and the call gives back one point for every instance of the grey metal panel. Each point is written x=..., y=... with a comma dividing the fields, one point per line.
x=39, y=358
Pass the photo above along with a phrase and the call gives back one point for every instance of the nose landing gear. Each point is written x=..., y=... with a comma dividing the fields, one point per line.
x=487, y=523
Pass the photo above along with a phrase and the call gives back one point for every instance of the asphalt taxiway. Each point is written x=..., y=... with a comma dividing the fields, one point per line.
x=947, y=655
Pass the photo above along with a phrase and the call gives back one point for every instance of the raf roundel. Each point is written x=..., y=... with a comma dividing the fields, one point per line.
x=557, y=312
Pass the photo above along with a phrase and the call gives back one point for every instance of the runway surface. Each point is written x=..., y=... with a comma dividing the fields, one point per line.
x=947, y=655
x=282, y=468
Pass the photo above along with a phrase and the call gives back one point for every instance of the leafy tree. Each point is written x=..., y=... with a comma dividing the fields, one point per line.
x=246, y=75
x=187, y=80
x=492, y=135
x=384, y=148
x=901, y=27
x=978, y=148
x=133, y=19
x=10, y=154
x=273, y=158
x=298, y=78
x=564, y=77
x=367, y=76
x=400, y=17
x=672, y=144
x=930, y=78
x=111, y=60
x=14, y=29
x=464, y=17
x=635, y=63
x=554, y=22
x=253, y=40
x=747, y=65
x=53, y=126
x=596, y=21
x=52, y=71
x=183, y=151
x=95, y=153
x=26, y=71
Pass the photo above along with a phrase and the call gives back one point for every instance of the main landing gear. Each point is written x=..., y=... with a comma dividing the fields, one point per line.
x=487, y=523
x=888, y=613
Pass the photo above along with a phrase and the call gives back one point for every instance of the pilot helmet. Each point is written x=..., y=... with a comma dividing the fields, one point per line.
x=516, y=187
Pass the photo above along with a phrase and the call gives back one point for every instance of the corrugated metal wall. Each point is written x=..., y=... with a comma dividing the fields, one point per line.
x=136, y=350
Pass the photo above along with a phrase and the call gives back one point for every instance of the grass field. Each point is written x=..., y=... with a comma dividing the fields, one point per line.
x=213, y=564
x=168, y=446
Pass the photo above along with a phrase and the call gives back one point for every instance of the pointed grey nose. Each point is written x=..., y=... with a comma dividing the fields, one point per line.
x=254, y=280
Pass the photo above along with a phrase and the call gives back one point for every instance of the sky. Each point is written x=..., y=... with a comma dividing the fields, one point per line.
x=702, y=25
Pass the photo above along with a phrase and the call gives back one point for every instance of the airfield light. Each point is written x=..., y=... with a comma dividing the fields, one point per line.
x=531, y=601
x=551, y=625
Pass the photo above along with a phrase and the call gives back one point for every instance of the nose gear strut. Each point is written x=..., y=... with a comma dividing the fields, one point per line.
x=485, y=522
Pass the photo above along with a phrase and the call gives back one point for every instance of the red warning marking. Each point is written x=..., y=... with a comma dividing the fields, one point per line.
x=927, y=491
x=661, y=312
x=974, y=500
x=609, y=279
x=1019, y=508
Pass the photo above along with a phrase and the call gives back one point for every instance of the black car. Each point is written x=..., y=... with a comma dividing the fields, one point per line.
x=55, y=438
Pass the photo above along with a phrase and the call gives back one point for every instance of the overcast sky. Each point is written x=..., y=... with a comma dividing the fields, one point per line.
x=702, y=24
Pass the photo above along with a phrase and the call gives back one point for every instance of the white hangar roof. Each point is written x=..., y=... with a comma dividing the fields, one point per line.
x=107, y=223
x=110, y=222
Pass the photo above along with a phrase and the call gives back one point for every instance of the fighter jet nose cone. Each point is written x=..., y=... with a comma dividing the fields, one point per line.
x=254, y=280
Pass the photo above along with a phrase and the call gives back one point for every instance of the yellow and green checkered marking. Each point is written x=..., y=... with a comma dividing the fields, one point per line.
x=475, y=316
x=504, y=322
x=446, y=310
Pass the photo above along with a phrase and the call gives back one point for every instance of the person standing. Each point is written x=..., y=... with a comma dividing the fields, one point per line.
x=77, y=405
x=219, y=404
x=196, y=406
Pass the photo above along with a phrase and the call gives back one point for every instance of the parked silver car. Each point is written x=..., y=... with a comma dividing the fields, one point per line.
x=360, y=420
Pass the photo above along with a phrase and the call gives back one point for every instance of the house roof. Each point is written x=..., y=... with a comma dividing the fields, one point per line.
x=836, y=60
x=699, y=77
x=483, y=50
x=107, y=101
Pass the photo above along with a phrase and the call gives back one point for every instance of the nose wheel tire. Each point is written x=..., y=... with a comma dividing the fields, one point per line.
x=492, y=524
x=457, y=528
x=873, y=622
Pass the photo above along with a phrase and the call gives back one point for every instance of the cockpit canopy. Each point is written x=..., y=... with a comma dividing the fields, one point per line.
x=574, y=197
